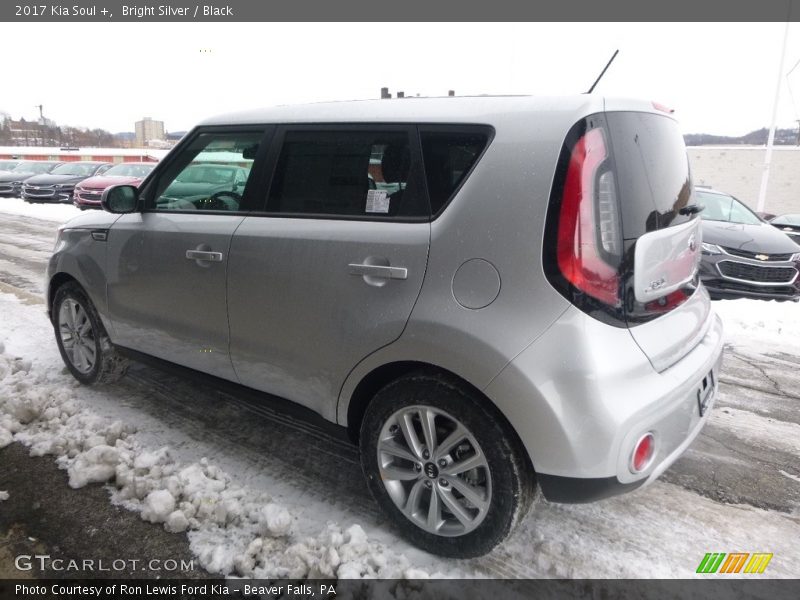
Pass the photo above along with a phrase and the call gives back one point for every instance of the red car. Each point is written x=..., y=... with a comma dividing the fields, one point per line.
x=89, y=191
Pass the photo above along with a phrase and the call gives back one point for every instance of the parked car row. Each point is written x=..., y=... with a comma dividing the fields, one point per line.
x=59, y=184
x=202, y=185
x=744, y=255
x=11, y=180
x=79, y=182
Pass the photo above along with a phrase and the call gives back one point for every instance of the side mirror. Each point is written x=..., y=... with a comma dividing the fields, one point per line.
x=120, y=199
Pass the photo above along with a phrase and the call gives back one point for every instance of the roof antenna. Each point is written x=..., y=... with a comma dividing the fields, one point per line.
x=608, y=64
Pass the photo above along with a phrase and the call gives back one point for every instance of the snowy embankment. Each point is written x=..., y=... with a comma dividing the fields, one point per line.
x=760, y=325
x=234, y=529
x=58, y=213
x=242, y=525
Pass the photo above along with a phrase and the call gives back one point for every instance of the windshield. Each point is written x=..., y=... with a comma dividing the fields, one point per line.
x=722, y=207
x=33, y=167
x=78, y=169
x=7, y=165
x=129, y=170
x=786, y=220
x=206, y=174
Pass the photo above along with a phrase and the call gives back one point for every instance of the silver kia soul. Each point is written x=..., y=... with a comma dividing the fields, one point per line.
x=493, y=295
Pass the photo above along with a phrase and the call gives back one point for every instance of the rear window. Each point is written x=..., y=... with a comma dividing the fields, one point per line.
x=449, y=156
x=652, y=171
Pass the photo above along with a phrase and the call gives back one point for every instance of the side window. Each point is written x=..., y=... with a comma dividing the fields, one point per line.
x=346, y=173
x=210, y=174
x=448, y=158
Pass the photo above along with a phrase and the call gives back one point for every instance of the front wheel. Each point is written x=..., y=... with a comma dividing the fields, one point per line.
x=82, y=340
x=444, y=466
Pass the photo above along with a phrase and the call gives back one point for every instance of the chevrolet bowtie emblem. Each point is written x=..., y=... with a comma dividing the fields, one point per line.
x=762, y=256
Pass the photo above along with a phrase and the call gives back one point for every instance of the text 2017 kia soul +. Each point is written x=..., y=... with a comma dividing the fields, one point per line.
x=491, y=294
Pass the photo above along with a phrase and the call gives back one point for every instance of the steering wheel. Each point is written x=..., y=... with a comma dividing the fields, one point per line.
x=216, y=201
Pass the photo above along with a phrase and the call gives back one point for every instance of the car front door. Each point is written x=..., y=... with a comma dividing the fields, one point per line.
x=168, y=263
x=330, y=271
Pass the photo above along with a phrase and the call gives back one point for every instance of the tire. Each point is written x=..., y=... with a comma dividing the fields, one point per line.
x=82, y=340
x=422, y=491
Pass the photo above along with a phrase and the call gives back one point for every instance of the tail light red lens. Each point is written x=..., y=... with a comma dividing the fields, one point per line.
x=586, y=228
x=643, y=453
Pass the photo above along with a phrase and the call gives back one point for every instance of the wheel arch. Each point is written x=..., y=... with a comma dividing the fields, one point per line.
x=56, y=281
x=380, y=376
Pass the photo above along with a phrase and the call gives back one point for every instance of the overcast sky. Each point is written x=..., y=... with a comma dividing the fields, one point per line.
x=720, y=78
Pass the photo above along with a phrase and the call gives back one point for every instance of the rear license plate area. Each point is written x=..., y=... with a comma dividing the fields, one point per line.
x=705, y=391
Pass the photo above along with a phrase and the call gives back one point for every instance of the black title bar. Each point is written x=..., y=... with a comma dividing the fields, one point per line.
x=398, y=10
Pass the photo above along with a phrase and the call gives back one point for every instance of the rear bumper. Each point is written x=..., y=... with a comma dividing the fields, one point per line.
x=584, y=393
x=576, y=490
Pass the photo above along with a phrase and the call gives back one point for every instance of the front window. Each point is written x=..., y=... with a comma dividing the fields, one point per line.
x=33, y=167
x=722, y=207
x=209, y=175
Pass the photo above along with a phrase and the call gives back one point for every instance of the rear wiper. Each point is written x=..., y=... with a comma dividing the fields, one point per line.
x=691, y=210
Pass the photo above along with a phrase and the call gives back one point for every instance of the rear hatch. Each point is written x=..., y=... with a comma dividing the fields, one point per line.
x=623, y=235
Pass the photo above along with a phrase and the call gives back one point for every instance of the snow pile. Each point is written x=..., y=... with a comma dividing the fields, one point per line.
x=760, y=323
x=233, y=530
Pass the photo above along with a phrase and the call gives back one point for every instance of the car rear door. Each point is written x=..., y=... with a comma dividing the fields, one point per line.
x=168, y=264
x=330, y=270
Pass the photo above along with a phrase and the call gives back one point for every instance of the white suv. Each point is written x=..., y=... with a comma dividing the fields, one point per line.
x=489, y=293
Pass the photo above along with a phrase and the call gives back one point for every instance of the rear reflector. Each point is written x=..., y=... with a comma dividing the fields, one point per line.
x=643, y=453
x=581, y=225
x=668, y=302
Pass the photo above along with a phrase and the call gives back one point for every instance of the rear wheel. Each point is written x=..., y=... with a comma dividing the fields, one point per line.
x=82, y=340
x=443, y=466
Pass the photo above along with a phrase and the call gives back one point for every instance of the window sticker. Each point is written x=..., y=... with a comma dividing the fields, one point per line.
x=377, y=201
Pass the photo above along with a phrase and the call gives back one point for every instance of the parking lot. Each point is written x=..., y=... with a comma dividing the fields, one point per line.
x=737, y=489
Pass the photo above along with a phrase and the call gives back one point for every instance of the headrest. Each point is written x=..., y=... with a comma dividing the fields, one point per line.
x=395, y=163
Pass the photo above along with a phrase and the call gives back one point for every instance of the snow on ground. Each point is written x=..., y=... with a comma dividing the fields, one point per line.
x=234, y=529
x=766, y=432
x=761, y=324
x=59, y=213
x=268, y=525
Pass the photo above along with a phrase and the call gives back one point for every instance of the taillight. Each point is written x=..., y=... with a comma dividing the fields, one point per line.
x=588, y=224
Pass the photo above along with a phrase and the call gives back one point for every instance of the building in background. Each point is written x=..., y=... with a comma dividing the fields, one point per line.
x=737, y=170
x=147, y=129
x=115, y=155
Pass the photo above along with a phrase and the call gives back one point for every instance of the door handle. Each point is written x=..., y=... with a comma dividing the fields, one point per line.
x=204, y=255
x=378, y=271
